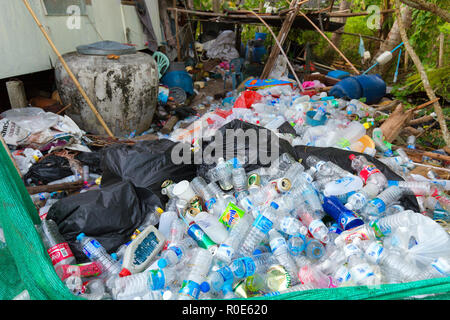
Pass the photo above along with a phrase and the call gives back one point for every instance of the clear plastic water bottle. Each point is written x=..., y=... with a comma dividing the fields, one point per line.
x=360, y=270
x=384, y=147
x=139, y=284
x=415, y=188
x=178, y=230
x=368, y=172
x=239, y=177
x=260, y=228
x=194, y=282
x=280, y=250
x=296, y=245
x=96, y=252
x=175, y=253
x=395, y=266
x=57, y=247
x=230, y=246
x=314, y=249
x=356, y=201
x=315, y=226
x=377, y=206
x=311, y=275
x=222, y=174
x=290, y=225
x=411, y=142
x=249, y=265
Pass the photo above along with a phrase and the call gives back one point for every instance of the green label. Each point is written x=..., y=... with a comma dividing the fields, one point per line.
x=231, y=215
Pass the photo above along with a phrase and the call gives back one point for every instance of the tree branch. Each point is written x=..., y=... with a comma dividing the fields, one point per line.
x=423, y=75
x=426, y=6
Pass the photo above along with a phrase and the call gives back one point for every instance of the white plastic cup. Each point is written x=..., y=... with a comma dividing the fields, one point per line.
x=183, y=190
x=384, y=58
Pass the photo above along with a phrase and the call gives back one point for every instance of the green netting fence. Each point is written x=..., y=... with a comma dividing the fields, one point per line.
x=25, y=264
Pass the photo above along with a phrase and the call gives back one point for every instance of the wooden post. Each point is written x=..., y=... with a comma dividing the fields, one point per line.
x=177, y=31
x=16, y=94
x=69, y=72
x=282, y=35
x=405, y=67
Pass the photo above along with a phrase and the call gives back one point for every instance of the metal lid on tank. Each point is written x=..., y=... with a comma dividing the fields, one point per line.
x=104, y=48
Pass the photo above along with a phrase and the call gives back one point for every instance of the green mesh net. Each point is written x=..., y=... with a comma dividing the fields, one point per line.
x=25, y=264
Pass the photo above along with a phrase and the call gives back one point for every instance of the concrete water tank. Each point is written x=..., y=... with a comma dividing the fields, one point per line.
x=124, y=91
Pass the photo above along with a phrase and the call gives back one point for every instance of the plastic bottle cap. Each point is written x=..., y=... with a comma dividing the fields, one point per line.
x=274, y=205
x=162, y=263
x=352, y=156
x=81, y=236
x=349, y=206
x=205, y=287
x=114, y=256
x=124, y=273
x=159, y=210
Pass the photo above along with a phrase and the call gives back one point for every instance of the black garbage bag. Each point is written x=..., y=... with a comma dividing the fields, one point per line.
x=147, y=164
x=253, y=145
x=91, y=159
x=110, y=214
x=341, y=158
x=47, y=170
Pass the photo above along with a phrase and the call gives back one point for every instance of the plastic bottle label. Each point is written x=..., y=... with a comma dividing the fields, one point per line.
x=226, y=273
x=231, y=215
x=249, y=266
x=361, y=272
x=359, y=197
x=60, y=252
x=381, y=206
x=225, y=250
x=367, y=171
x=209, y=204
x=351, y=249
x=374, y=252
x=342, y=274
x=314, y=226
x=190, y=288
x=287, y=225
x=442, y=267
x=158, y=279
x=277, y=243
x=263, y=224
x=177, y=251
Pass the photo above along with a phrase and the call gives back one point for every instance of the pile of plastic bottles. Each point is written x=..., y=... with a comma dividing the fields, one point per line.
x=274, y=230
x=319, y=120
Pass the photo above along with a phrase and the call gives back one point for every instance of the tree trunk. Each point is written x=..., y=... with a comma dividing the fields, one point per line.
x=394, y=38
x=431, y=7
x=426, y=83
x=336, y=37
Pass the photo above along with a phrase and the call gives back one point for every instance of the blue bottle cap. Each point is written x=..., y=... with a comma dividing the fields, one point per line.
x=162, y=263
x=114, y=256
x=80, y=236
x=274, y=205
x=205, y=287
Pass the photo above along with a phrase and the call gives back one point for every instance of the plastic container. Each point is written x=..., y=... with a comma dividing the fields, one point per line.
x=310, y=119
x=178, y=78
x=141, y=251
x=184, y=191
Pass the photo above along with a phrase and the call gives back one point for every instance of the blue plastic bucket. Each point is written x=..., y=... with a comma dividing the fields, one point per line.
x=180, y=79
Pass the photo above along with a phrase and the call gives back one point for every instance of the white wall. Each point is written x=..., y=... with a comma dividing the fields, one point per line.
x=24, y=49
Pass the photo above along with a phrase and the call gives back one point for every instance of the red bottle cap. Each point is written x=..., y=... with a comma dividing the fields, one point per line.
x=352, y=156
x=124, y=273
